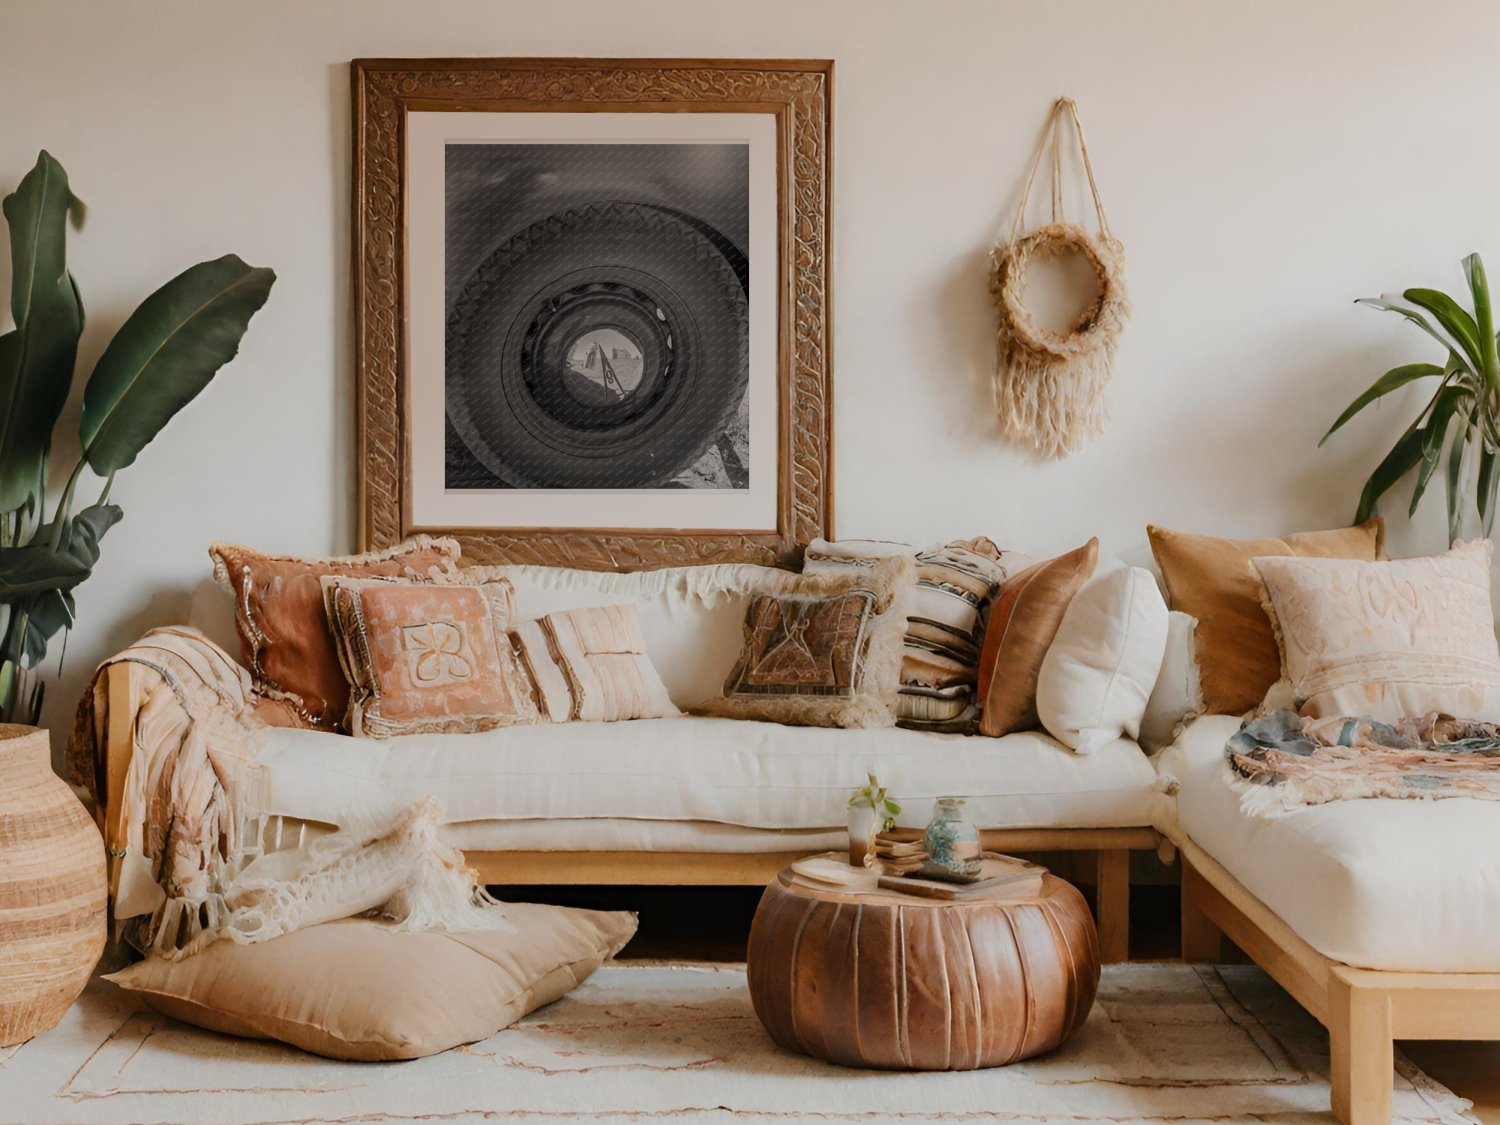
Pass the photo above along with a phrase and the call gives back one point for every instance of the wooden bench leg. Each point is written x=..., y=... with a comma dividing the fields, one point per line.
x=1361, y=1052
x=1202, y=941
x=1112, y=886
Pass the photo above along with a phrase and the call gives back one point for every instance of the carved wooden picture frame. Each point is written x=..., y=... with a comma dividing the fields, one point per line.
x=402, y=102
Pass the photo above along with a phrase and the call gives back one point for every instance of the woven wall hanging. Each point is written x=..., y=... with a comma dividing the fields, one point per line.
x=1049, y=386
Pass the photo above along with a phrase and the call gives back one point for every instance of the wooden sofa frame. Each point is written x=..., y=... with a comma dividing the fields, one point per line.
x=1111, y=846
x=1364, y=1010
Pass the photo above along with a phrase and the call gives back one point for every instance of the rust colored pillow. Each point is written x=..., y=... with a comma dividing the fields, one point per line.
x=1022, y=624
x=427, y=657
x=284, y=635
x=1215, y=581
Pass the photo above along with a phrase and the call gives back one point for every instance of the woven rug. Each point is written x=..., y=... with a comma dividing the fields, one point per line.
x=648, y=1042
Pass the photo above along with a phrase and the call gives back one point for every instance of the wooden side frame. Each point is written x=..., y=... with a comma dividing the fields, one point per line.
x=1364, y=1010
x=1111, y=846
x=798, y=92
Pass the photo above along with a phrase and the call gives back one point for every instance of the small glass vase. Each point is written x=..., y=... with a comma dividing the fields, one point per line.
x=951, y=843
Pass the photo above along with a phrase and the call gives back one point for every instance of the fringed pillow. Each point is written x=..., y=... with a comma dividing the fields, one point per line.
x=285, y=640
x=423, y=657
x=823, y=649
x=590, y=665
x=955, y=587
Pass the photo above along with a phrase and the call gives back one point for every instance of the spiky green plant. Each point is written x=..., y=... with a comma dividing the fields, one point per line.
x=1457, y=427
x=163, y=355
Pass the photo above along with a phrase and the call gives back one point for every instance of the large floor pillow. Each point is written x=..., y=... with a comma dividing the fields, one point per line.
x=358, y=990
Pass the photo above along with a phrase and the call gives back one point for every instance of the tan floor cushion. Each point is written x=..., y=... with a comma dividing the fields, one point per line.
x=358, y=990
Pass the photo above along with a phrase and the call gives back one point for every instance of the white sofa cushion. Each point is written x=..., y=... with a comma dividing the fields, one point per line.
x=731, y=771
x=1378, y=884
x=1101, y=665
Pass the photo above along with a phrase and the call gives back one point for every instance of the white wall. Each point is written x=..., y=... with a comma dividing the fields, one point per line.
x=1264, y=164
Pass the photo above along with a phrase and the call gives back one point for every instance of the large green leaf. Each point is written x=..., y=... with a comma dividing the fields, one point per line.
x=1484, y=317
x=1488, y=480
x=1454, y=480
x=1391, y=302
x=1448, y=402
x=1454, y=319
x=1392, y=380
x=37, y=356
x=1402, y=458
x=37, y=567
x=164, y=355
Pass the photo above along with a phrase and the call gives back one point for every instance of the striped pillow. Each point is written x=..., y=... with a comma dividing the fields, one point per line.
x=590, y=665
x=956, y=584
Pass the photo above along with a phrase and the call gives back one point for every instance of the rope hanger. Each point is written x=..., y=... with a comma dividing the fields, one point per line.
x=1049, y=386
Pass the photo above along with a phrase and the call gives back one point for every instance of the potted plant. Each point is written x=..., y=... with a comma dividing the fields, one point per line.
x=871, y=811
x=1457, y=427
x=164, y=354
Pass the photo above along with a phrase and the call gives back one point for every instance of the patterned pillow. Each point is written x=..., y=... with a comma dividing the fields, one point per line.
x=956, y=585
x=427, y=657
x=590, y=665
x=823, y=649
x=284, y=635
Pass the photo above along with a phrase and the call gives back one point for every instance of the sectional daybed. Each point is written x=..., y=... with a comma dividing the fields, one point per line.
x=690, y=800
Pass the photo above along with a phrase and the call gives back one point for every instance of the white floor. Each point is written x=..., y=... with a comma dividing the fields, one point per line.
x=640, y=1042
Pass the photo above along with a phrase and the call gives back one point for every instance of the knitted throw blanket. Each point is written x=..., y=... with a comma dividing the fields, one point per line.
x=1280, y=761
x=197, y=859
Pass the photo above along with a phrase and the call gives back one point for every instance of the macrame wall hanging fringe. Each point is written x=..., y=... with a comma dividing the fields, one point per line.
x=1049, y=386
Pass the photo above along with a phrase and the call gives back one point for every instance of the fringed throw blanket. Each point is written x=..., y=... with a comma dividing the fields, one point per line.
x=191, y=841
x=1281, y=761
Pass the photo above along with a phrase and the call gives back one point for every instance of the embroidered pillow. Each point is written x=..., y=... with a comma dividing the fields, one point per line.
x=1026, y=617
x=590, y=665
x=284, y=635
x=1214, y=580
x=1387, y=640
x=956, y=584
x=823, y=649
x=424, y=657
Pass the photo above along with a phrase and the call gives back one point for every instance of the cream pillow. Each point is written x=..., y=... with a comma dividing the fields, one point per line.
x=1099, y=671
x=1388, y=640
x=590, y=665
x=1178, y=695
x=357, y=990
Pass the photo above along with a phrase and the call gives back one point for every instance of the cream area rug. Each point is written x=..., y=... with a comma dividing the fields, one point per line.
x=645, y=1042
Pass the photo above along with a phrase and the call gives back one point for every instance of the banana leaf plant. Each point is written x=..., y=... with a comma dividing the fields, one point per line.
x=164, y=354
x=1457, y=428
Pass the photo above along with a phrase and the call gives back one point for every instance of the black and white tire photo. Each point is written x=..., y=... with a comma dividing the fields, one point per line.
x=598, y=316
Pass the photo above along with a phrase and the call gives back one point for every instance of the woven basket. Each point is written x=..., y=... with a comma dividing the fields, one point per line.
x=52, y=889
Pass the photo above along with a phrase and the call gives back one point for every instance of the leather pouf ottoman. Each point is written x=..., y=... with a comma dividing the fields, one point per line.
x=889, y=980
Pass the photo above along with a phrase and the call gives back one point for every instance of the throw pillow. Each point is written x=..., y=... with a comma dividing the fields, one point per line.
x=590, y=665
x=357, y=990
x=424, y=657
x=1215, y=581
x=823, y=649
x=956, y=584
x=1388, y=640
x=1177, y=695
x=1026, y=617
x=285, y=640
x=1100, y=668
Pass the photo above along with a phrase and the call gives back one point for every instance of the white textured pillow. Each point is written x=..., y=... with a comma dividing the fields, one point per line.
x=1178, y=694
x=1098, y=674
x=1388, y=640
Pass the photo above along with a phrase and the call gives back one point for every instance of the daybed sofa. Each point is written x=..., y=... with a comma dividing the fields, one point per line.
x=1379, y=915
x=673, y=801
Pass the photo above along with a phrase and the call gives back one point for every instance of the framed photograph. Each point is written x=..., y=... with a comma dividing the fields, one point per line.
x=591, y=307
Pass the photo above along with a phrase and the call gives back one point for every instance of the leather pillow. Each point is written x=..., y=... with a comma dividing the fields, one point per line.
x=1215, y=581
x=357, y=990
x=1023, y=623
x=427, y=657
x=285, y=640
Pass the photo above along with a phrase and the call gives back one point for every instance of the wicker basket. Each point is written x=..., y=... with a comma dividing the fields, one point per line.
x=52, y=889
